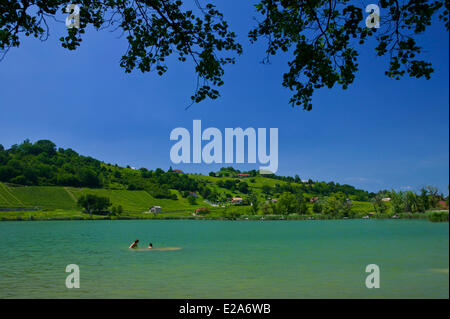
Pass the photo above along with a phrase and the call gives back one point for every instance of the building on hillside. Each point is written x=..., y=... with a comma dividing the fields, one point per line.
x=237, y=199
x=243, y=175
x=386, y=199
x=201, y=210
x=179, y=171
x=155, y=209
x=314, y=199
x=443, y=204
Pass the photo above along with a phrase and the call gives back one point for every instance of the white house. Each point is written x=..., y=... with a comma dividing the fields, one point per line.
x=155, y=209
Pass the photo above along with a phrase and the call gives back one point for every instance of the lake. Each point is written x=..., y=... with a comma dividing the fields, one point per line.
x=225, y=259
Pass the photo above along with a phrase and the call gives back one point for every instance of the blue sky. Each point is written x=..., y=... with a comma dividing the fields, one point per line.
x=378, y=134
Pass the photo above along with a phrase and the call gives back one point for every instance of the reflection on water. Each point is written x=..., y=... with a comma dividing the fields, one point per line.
x=442, y=271
x=156, y=249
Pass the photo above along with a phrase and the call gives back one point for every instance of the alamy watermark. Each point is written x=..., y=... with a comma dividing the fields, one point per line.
x=373, y=19
x=73, y=19
x=212, y=152
x=373, y=280
x=73, y=280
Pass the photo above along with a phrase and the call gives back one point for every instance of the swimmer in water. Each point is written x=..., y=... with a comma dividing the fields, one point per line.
x=150, y=246
x=134, y=244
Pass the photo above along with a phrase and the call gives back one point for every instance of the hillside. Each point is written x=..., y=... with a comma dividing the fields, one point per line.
x=56, y=197
x=43, y=164
x=41, y=176
x=50, y=198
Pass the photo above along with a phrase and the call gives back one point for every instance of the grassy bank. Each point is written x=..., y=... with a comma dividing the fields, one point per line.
x=65, y=198
x=54, y=198
x=218, y=214
x=60, y=203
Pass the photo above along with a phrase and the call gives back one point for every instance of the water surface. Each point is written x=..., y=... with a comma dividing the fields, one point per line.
x=225, y=259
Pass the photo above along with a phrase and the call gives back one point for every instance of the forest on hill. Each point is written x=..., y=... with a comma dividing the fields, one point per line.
x=43, y=164
x=46, y=177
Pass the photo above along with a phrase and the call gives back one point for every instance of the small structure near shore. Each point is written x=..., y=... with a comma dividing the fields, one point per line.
x=443, y=204
x=237, y=199
x=155, y=209
x=313, y=199
x=201, y=210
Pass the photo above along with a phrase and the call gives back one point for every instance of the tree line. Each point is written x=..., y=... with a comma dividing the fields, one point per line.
x=408, y=201
x=42, y=164
x=293, y=185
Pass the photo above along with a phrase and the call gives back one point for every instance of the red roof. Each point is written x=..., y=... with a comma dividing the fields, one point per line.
x=443, y=203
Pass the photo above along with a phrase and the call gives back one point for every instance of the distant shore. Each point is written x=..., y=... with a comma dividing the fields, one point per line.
x=38, y=215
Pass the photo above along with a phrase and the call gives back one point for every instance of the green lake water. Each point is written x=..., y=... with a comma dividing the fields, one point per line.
x=225, y=259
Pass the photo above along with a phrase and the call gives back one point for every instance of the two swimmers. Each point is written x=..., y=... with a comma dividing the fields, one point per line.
x=135, y=244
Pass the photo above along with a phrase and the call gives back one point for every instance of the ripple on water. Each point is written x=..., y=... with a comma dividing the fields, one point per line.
x=440, y=270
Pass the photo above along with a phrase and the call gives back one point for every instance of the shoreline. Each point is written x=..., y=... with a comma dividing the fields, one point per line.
x=433, y=216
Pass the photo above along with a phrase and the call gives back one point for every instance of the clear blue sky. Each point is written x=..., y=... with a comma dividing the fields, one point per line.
x=380, y=133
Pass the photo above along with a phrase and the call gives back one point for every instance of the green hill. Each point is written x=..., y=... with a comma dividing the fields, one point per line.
x=43, y=164
x=8, y=199
x=55, y=197
x=138, y=201
x=40, y=175
x=46, y=197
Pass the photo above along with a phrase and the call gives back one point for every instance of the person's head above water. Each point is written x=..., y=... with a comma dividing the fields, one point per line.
x=136, y=241
x=150, y=245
